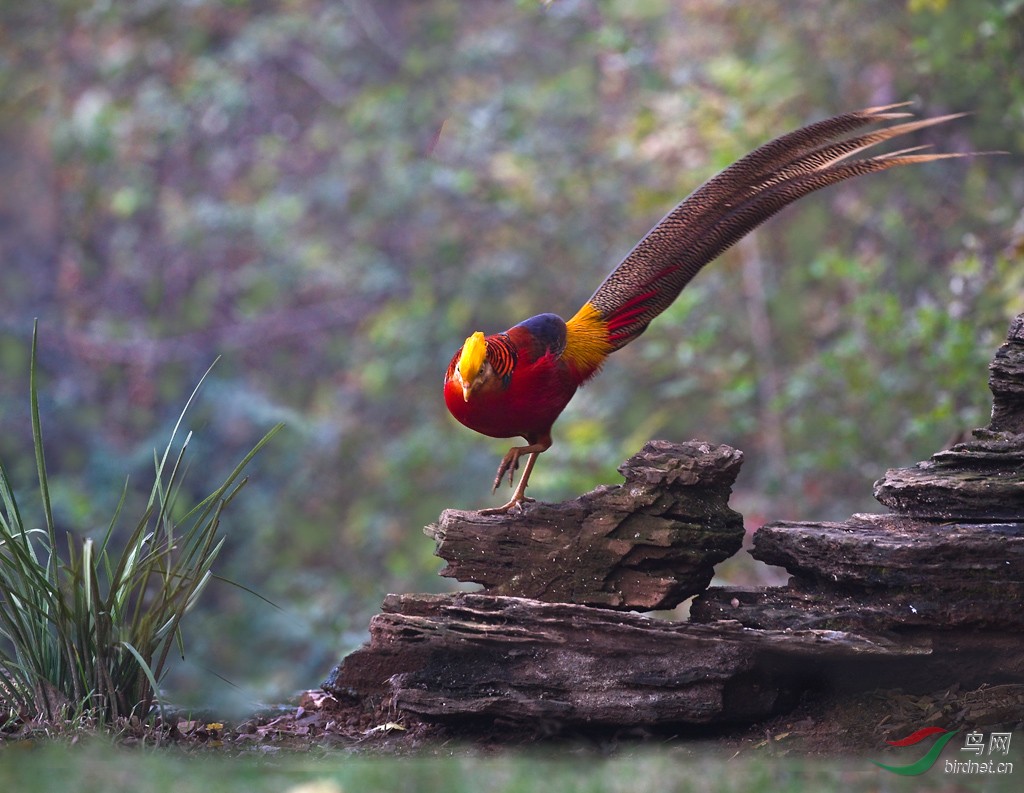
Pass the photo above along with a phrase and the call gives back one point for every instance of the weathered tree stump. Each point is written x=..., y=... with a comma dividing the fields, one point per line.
x=946, y=567
x=1006, y=381
x=926, y=596
x=803, y=606
x=980, y=479
x=554, y=666
x=983, y=478
x=958, y=560
x=647, y=544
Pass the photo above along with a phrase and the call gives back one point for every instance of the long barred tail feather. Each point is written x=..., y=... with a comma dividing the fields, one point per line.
x=740, y=198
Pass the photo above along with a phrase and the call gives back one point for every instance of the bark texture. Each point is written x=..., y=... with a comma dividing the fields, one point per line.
x=548, y=666
x=649, y=543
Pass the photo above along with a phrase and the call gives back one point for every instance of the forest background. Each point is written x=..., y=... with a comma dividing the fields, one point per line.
x=332, y=195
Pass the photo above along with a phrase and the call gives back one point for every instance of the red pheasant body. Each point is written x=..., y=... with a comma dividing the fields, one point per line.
x=527, y=403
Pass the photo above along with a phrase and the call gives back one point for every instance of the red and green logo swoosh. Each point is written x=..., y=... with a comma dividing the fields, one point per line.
x=929, y=759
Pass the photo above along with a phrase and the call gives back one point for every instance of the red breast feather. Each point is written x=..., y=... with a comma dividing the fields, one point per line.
x=527, y=402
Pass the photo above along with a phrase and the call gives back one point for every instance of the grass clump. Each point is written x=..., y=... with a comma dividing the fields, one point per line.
x=86, y=627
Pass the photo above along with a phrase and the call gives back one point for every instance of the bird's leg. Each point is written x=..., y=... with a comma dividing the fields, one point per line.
x=509, y=463
x=519, y=496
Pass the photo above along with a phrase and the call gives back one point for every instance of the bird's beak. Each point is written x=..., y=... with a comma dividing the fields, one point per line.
x=466, y=388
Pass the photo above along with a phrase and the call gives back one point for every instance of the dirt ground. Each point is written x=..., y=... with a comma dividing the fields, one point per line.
x=820, y=725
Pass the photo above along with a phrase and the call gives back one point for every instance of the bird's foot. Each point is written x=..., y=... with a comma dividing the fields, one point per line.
x=509, y=464
x=515, y=505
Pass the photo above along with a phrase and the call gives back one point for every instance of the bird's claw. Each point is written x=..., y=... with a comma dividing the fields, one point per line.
x=515, y=505
x=509, y=464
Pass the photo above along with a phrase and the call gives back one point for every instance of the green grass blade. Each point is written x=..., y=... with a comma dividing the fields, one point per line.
x=150, y=677
x=247, y=590
x=174, y=432
x=37, y=439
x=10, y=517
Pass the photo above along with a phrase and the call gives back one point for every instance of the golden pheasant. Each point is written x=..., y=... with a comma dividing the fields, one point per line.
x=517, y=383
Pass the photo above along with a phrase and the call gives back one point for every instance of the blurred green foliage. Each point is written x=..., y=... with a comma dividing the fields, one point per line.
x=333, y=195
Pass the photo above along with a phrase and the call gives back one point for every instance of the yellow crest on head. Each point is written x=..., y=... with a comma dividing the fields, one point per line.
x=474, y=353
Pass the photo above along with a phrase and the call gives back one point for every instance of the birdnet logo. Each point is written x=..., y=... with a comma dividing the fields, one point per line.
x=998, y=745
